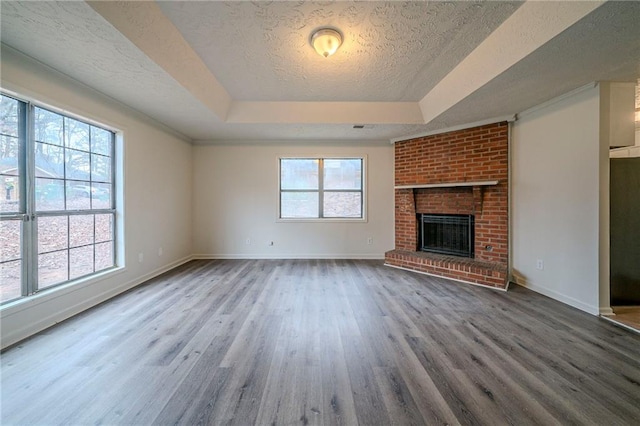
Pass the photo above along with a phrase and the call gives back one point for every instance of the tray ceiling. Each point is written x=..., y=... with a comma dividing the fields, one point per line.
x=393, y=51
x=216, y=71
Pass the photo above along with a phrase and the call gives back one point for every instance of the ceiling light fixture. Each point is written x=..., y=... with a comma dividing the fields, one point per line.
x=326, y=41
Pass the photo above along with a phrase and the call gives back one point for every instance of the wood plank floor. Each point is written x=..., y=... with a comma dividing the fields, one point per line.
x=346, y=342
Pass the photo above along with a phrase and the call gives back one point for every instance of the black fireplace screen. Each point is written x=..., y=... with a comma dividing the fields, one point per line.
x=446, y=234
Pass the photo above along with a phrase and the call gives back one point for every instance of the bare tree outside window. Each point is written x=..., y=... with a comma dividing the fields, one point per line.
x=11, y=206
x=74, y=209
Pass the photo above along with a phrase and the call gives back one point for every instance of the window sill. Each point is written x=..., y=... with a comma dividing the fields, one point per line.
x=53, y=293
x=322, y=220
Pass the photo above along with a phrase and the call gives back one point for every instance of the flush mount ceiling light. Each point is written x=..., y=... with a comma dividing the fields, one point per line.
x=326, y=41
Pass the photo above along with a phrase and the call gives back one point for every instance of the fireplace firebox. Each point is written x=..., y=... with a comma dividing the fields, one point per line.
x=451, y=234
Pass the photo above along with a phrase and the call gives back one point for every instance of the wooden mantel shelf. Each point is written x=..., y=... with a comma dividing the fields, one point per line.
x=448, y=184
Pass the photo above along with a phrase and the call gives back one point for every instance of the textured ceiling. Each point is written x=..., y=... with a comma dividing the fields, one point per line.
x=70, y=37
x=217, y=71
x=584, y=53
x=392, y=51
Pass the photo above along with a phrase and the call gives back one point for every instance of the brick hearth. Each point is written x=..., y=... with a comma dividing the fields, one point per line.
x=465, y=172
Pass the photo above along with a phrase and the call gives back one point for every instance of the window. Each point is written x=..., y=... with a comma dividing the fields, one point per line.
x=57, y=210
x=321, y=188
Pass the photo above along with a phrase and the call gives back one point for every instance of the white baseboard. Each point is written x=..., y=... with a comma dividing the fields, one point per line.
x=568, y=300
x=290, y=256
x=32, y=308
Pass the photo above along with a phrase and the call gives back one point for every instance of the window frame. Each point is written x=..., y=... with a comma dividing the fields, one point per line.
x=29, y=214
x=321, y=190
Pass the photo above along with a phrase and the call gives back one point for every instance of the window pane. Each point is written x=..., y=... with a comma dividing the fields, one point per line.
x=104, y=256
x=100, y=168
x=10, y=277
x=80, y=231
x=9, y=156
x=77, y=134
x=342, y=204
x=78, y=195
x=10, y=196
x=77, y=165
x=299, y=204
x=80, y=261
x=343, y=173
x=298, y=173
x=8, y=116
x=52, y=233
x=49, y=161
x=10, y=239
x=10, y=259
x=100, y=141
x=104, y=227
x=101, y=196
x=9, y=150
x=49, y=194
x=52, y=268
x=48, y=126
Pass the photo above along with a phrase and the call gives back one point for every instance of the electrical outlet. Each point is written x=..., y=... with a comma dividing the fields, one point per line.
x=140, y=257
x=160, y=251
x=248, y=242
x=369, y=240
x=540, y=264
x=270, y=243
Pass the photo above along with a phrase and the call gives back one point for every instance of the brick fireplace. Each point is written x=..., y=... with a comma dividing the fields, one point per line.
x=463, y=172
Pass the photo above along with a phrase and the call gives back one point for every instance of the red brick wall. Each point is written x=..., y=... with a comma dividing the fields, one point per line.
x=406, y=223
x=473, y=154
x=445, y=200
x=477, y=154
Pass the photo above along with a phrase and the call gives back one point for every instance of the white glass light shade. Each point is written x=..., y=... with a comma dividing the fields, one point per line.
x=326, y=41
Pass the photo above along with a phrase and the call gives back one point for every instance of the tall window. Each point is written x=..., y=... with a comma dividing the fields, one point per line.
x=314, y=188
x=57, y=210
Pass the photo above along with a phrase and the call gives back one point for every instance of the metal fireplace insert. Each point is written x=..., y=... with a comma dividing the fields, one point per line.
x=451, y=234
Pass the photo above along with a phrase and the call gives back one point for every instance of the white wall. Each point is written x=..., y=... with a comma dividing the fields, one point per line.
x=557, y=206
x=236, y=197
x=157, y=196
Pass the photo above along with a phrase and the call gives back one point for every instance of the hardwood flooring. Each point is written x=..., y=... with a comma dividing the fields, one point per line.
x=283, y=342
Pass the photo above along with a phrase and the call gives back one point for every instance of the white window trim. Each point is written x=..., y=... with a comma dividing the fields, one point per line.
x=363, y=219
x=76, y=284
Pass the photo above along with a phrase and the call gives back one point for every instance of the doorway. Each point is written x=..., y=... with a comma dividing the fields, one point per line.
x=625, y=240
